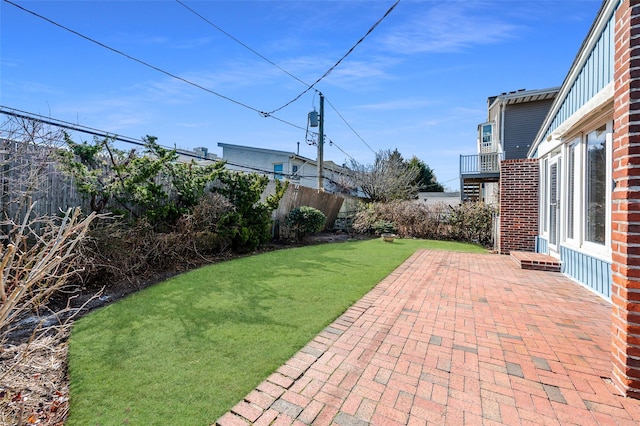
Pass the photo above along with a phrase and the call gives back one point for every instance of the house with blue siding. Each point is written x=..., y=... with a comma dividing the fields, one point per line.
x=586, y=162
x=574, y=148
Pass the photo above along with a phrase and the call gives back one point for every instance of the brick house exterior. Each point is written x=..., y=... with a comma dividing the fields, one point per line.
x=587, y=153
x=625, y=218
x=518, y=205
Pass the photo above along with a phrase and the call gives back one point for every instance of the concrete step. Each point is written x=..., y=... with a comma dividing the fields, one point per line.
x=536, y=261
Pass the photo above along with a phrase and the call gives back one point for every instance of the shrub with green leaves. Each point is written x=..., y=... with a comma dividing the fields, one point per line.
x=248, y=225
x=169, y=215
x=305, y=221
x=384, y=227
x=151, y=185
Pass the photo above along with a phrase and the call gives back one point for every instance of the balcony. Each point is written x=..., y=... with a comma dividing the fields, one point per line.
x=481, y=164
x=476, y=171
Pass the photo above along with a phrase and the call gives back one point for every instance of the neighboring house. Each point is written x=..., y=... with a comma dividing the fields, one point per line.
x=283, y=165
x=584, y=169
x=513, y=119
x=199, y=155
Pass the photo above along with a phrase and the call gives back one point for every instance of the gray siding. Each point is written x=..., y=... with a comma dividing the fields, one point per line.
x=521, y=125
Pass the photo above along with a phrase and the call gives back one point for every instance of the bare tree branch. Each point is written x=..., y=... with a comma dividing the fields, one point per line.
x=388, y=178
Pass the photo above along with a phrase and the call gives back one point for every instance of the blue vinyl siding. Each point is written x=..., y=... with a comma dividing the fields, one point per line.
x=595, y=74
x=590, y=271
x=542, y=245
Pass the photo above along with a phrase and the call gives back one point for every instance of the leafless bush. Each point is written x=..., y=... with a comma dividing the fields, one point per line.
x=116, y=251
x=409, y=219
x=27, y=171
x=472, y=222
x=469, y=222
x=37, y=264
x=38, y=258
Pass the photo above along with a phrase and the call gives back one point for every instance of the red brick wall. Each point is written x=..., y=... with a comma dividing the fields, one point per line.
x=625, y=215
x=518, y=205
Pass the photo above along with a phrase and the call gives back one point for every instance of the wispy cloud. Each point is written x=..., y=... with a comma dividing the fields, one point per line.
x=448, y=27
x=360, y=75
x=32, y=87
x=398, y=104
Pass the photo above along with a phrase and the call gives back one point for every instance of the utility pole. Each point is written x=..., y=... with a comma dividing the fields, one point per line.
x=321, y=145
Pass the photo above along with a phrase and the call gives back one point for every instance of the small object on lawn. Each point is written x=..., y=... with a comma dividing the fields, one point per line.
x=388, y=238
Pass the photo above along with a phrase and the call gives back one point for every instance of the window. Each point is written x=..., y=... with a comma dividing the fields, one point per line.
x=554, y=171
x=277, y=171
x=595, y=186
x=486, y=135
x=543, y=199
x=294, y=172
x=571, y=182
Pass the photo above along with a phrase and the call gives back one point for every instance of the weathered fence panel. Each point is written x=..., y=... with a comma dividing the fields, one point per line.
x=298, y=196
x=29, y=177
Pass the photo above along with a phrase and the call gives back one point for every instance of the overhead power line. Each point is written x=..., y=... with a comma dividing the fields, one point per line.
x=12, y=112
x=262, y=113
x=349, y=125
x=341, y=150
x=339, y=60
x=270, y=62
x=241, y=43
x=146, y=64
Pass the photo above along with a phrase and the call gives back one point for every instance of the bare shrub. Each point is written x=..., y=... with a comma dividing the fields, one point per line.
x=36, y=265
x=472, y=222
x=469, y=222
x=410, y=219
x=116, y=251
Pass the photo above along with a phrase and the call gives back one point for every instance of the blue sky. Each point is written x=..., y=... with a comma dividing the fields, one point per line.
x=419, y=82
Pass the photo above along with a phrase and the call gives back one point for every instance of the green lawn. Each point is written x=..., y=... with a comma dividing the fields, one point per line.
x=184, y=351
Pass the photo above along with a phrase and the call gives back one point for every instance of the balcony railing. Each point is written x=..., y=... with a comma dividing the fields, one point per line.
x=480, y=163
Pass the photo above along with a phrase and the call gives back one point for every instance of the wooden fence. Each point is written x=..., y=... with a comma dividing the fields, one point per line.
x=29, y=175
x=298, y=196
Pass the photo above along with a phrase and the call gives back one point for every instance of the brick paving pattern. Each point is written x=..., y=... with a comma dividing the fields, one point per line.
x=457, y=339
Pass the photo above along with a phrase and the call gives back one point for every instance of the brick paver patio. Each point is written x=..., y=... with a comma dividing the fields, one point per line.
x=453, y=338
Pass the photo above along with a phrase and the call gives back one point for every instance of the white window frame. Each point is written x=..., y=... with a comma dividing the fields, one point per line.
x=599, y=250
x=555, y=158
x=486, y=146
x=544, y=192
x=577, y=207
